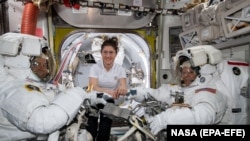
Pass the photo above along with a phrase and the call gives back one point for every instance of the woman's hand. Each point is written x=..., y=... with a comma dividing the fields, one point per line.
x=116, y=93
x=121, y=91
x=112, y=93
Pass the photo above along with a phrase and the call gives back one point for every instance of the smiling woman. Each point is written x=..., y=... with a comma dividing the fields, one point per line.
x=109, y=50
x=111, y=78
x=107, y=77
x=134, y=53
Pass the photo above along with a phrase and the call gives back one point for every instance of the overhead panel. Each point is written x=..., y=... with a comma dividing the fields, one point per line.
x=125, y=14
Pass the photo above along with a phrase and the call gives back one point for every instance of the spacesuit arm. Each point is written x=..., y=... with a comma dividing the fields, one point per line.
x=63, y=109
x=70, y=101
x=202, y=113
x=161, y=94
x=205, y=108
x=45, y=120
x=29, y=110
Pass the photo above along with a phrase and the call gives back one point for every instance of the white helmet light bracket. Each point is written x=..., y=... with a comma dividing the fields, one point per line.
x=201, y=55
x=12, y=43
x=31, y=47
x=9, y=47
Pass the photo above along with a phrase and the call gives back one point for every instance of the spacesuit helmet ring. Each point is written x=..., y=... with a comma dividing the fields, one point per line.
x=185, y=71
x=182, y=60
x=43, y=66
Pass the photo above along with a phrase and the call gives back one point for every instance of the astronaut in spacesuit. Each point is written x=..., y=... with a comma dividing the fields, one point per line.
x=31, y=107
x=195, y=99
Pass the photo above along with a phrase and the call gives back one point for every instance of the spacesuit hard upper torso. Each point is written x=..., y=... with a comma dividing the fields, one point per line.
x=13, y=95
x=30, y=108
x=235, y=74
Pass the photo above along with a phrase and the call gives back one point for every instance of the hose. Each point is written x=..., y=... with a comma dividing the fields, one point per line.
x=29, y=19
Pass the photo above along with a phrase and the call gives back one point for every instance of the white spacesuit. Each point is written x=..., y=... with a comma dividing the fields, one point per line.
x=29, y=105
x=235, y=74
x=202, y=102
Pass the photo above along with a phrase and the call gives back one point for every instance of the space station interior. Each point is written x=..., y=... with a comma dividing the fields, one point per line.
x=76, y=34
x=174, y=24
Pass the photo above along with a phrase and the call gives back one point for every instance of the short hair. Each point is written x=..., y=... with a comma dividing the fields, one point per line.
x=184, y=59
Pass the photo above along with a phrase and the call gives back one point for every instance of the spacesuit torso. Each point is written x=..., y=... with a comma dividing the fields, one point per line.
x=29, y=96
x=235, y=74
x=30, y=109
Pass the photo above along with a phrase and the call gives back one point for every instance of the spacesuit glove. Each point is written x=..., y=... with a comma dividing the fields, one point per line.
x=61, y=87
x=137, y=94
x=157, y=123
x=95, y=98
x=84, y=135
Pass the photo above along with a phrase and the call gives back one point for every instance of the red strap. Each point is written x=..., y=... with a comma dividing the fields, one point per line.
x=206, y=89
x=238, y=63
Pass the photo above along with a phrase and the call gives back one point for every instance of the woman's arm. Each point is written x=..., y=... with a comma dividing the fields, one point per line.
x=122, y=88
x=93, y=81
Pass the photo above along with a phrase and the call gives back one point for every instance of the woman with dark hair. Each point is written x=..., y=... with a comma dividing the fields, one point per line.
x=110, y=78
